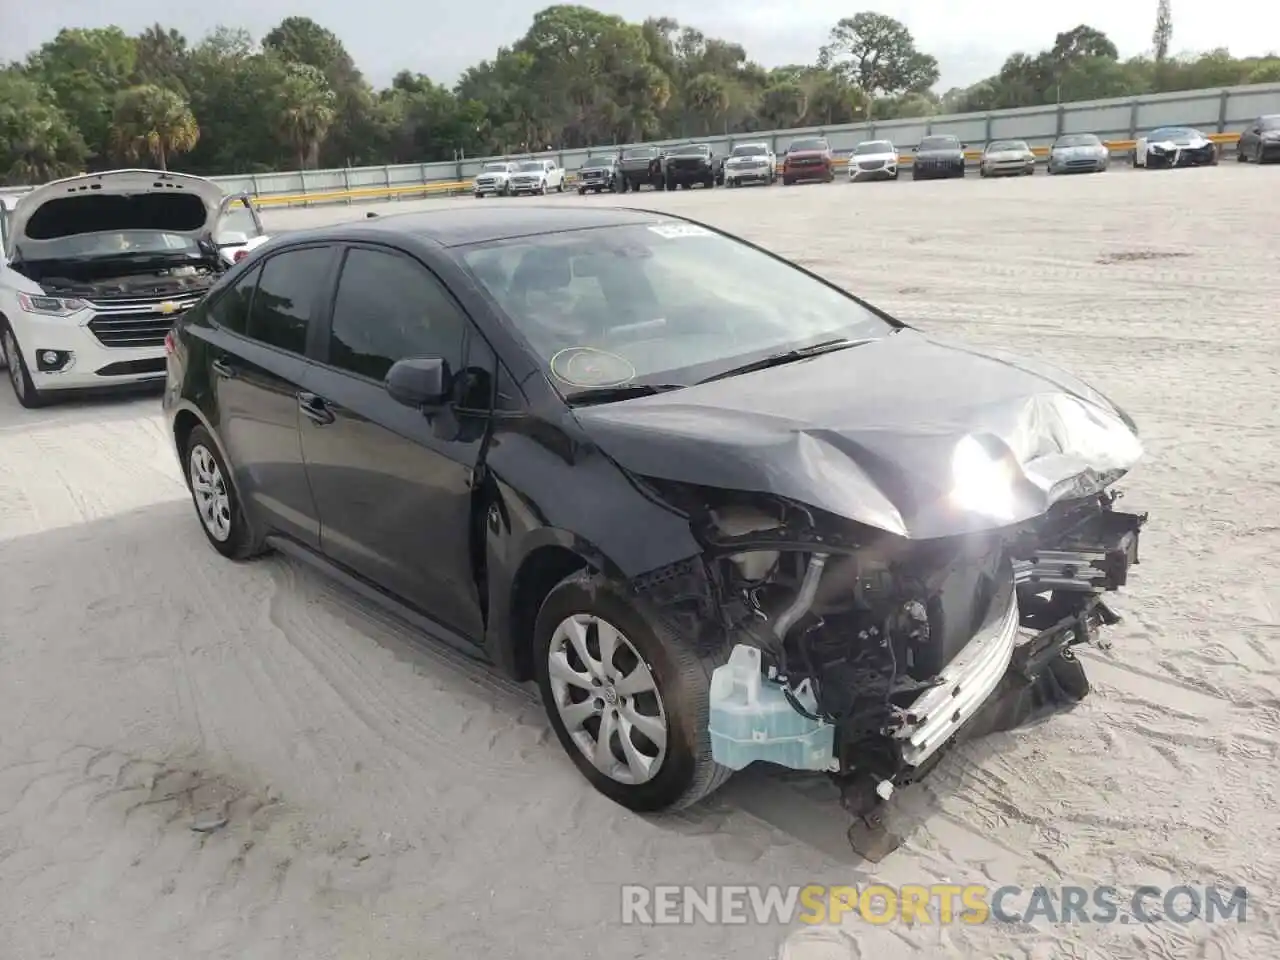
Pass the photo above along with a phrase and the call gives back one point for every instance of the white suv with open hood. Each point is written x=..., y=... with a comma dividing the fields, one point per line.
x=96, y=268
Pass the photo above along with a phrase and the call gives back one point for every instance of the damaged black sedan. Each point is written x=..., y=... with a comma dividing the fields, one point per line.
x=719, y=509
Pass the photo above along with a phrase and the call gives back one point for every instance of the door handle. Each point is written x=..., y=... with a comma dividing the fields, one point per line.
x=314, y=408
x=221, y=368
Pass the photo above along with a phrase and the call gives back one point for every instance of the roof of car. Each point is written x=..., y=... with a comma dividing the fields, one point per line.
x=455, y=226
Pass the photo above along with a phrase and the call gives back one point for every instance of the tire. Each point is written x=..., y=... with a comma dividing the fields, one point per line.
x=560, y=187
x=787, y=181
x=597, y=191
x=240, y=541
x=1258, y=156
x=582, y=191
x=686, y=772
x=1240, y=157
x=24, y=390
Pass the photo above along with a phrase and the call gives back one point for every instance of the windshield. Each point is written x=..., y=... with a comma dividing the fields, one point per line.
x=1002, y=145
x=657, y=303
x=595, y=163
x=693, y=150
x=873, y=146
x=1078, y=140
x=1172, y=133
x=1269, y=123
x=119, y=244
x=815, y=144
x=640, y=154
x=939, y=143
x=530, y=165
x=749, y=150
x=495, y=168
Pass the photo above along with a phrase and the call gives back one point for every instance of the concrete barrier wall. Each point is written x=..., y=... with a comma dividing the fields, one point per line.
x=1223, y=112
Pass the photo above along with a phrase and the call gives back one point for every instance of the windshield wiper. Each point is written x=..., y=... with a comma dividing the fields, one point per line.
x=788, y=356
x=624, y=392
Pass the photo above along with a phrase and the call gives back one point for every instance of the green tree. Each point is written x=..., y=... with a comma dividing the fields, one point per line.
x=85, y=69
x=162, y=59
x=784, y=104
x=150, y=121
x=878, y=54
x=37, y=139
x=304, y=106
x=1162, y=36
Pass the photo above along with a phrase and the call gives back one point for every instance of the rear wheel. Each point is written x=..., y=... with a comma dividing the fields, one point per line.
x=627, y=697
x=221, y=516
x=24, y=390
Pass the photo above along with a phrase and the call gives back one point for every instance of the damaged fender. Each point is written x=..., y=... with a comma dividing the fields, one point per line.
x=902, y=433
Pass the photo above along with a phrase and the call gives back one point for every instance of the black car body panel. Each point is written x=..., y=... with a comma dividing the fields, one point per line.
x=1260, y=141
x=868, y=433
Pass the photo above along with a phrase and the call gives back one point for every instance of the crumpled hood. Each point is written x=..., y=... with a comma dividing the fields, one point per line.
x=113, y=202
x=872, y=433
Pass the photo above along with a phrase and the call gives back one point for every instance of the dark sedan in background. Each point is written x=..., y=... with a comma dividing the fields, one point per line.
x=938, y=157
x=715, y=505
x=1260, y=141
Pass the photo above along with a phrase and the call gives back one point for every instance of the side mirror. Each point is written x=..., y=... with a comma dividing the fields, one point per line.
x=419, y=382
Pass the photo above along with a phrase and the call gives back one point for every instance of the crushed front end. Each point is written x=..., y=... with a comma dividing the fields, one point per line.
x=866, y=655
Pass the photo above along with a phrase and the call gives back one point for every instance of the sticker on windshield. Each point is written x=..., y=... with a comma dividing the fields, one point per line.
x=674, y=231
x=590, y=367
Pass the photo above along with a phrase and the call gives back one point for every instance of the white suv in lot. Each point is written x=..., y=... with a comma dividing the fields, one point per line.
x=537, y=176
x=95, y=269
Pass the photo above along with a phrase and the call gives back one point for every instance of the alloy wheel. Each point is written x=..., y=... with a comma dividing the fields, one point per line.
x=607, y=698
x=209, y=487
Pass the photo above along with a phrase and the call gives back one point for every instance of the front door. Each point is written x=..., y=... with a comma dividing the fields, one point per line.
x=393, y=485
x=256, y=374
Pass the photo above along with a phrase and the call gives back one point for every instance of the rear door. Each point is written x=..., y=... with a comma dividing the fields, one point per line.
x=256, y=373
x=393, y=485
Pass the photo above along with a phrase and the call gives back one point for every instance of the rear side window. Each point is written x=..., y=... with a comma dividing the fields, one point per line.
x=388, y=308
x=230, y=310
x=281, y=312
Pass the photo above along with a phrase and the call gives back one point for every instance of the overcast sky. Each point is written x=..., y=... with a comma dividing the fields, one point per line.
x=970, y=40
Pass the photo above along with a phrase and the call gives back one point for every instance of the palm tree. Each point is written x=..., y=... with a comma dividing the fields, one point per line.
x=151, y=121
x=306, y=108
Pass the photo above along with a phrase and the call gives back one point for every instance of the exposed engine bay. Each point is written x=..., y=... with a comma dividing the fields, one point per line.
x=125, y=277
x=897, y=645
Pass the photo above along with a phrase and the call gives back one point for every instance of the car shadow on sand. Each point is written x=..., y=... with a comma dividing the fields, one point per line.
x=173, y=580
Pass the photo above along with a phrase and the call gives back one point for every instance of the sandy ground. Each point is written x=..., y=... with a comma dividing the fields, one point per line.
x=389, y=802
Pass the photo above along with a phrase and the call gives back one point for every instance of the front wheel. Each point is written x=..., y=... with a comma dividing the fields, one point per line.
x=24, y=389
x=217, y=505
x=627, y=697
x=582, y=191
x=560, y=187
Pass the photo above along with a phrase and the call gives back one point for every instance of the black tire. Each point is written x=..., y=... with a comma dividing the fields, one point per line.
x=1258, y=155
x=560, y=187
x=683, y=678
x=582, y=191
x=24, y=390
x=1240, y=157
x=243, y=542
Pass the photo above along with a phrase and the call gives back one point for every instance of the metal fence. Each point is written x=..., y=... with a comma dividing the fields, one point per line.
x=1119, y=121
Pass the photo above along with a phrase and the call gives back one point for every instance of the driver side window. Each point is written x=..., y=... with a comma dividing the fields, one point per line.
x=389, y=307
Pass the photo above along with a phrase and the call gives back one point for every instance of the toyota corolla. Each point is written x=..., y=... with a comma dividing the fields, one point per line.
x=721, y=510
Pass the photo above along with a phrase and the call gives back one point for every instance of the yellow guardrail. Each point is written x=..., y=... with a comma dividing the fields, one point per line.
x=457, y=186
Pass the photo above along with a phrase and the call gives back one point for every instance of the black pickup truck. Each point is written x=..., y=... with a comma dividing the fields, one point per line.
x=600, y=173
x=693, y=163
x=639, y=166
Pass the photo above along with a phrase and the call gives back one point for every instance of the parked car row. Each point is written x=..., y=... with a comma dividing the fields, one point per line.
x=938, y=156
x=507, y=178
